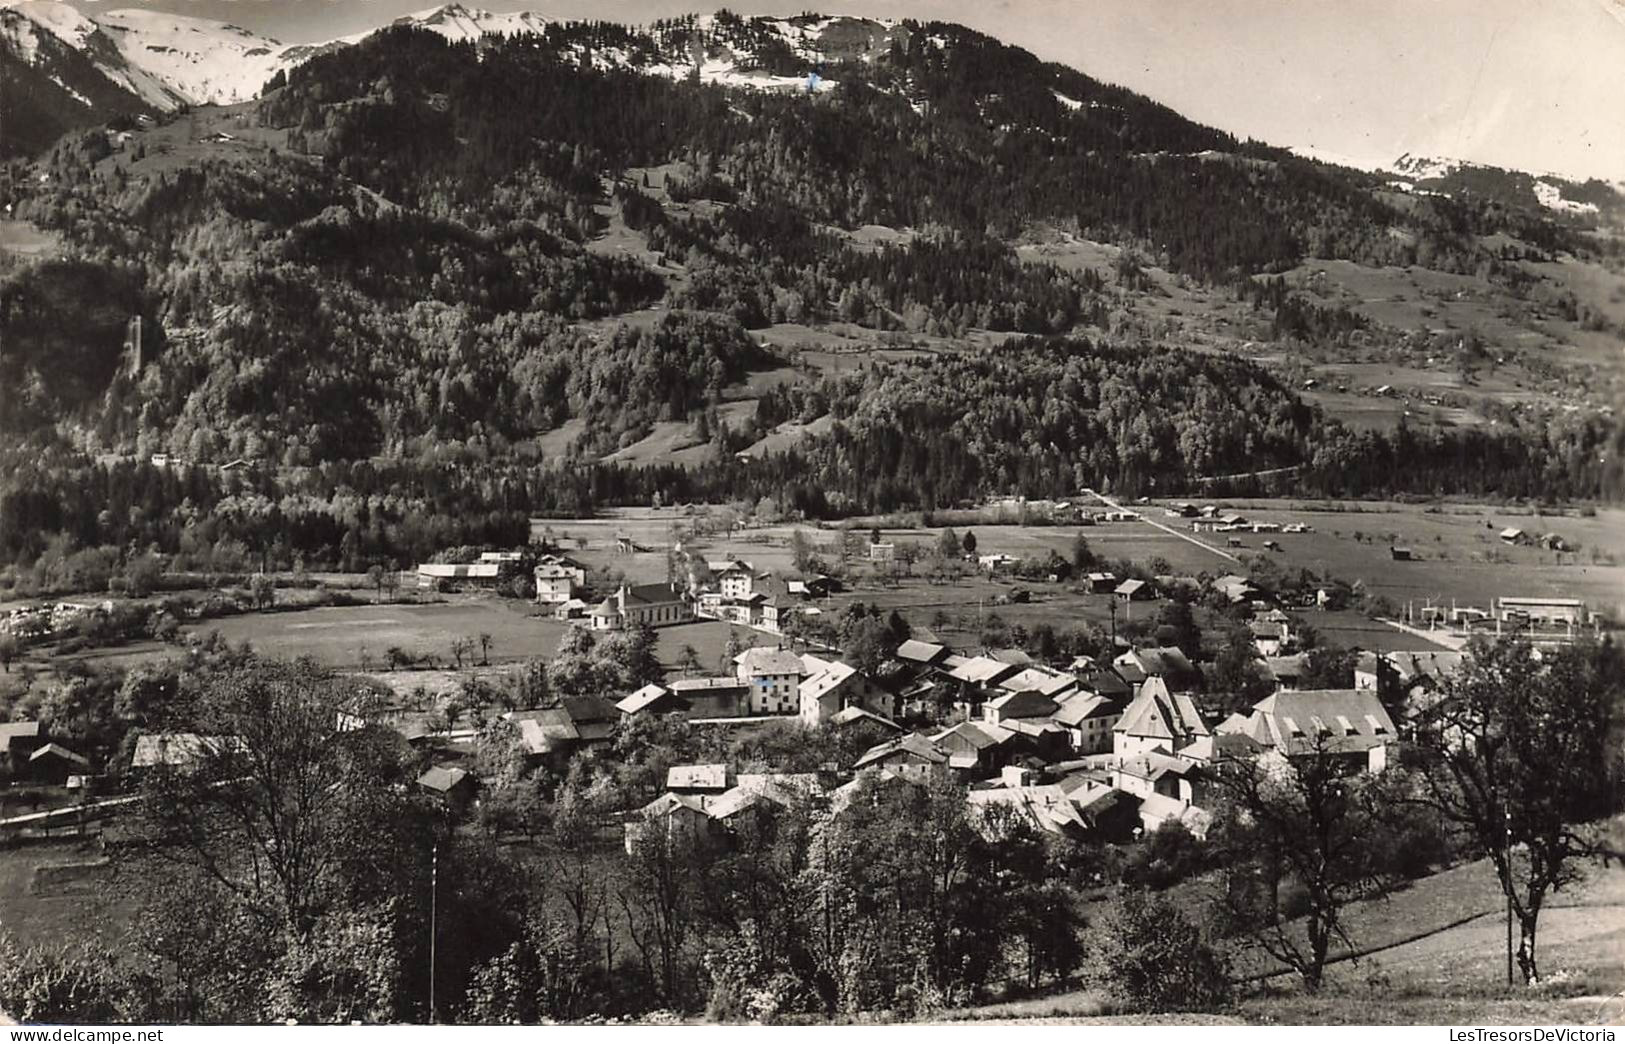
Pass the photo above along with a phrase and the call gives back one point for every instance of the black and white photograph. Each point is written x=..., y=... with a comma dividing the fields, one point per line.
x=1098, y=515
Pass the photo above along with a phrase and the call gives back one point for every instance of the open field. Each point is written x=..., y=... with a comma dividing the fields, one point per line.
x=337, y=635
x=25, y=241
x=1434, y=954
x=44, y=909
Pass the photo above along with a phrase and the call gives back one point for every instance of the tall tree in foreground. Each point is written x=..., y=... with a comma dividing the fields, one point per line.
x=1306, y=826
x=279, y=801
x=1517, y=754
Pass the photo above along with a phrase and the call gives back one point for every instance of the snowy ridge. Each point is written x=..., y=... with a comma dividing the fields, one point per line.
x=170, y=60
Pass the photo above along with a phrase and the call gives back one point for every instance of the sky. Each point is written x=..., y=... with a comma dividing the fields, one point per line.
x=1535, y=85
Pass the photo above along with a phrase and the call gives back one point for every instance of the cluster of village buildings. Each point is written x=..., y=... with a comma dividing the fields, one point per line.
x=1106, y=751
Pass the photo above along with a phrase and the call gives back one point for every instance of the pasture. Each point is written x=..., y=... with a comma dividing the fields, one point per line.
x=348, y=637
x=343, y=636
x=60, y=890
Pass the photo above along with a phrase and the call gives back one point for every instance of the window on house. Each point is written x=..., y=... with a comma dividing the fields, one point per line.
x=1377, y=727
x=1291, y=726
x=1347, y=726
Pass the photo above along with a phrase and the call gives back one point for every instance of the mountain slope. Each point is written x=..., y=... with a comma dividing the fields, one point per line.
x=59, y=74
x=400, y=252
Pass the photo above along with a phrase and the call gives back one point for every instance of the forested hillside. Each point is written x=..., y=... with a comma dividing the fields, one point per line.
x=395, y=261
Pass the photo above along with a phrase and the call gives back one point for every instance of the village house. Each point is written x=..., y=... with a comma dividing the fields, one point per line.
x=736, y=581
x=574, y=609
x=774, y=677
x=1166, y=662
x=1101, y=681
x=1411, y=682
x=982, y=671
x=451, y=784
x=1046, y=807
x=1285, y=671
x=1236, y=589
x=551, y=734
x=978, y=748
x=1514, y=536
x=1057, y=685
x=1110, y=815
x=754, y=795
x=911, y=756
x=927, y=654
x=1270, y=639
x=1157, y=720
x=772, y=604
x=657, y=605
x=834, y=686
x=864, y=725
x=557, y=580
x=813, y=587
x=1166, y=788
x=1027, y=703
x=1349, y=725
x=1088, y=720
x=701, y=781
x=669, y=815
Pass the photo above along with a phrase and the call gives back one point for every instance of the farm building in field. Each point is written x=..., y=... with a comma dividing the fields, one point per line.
x=54, y=763
x=1514, y=536
x=1400, y=554
x=1570, y=612
x=474, y=574
x=19, y=739
x=1132, y=590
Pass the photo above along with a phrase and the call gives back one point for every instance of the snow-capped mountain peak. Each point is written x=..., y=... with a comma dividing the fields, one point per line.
x=61, y=21
x=456, y=22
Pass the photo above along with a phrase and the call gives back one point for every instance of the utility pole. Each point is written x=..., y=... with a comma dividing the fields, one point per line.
x=1509, y=895
x=434, y=910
